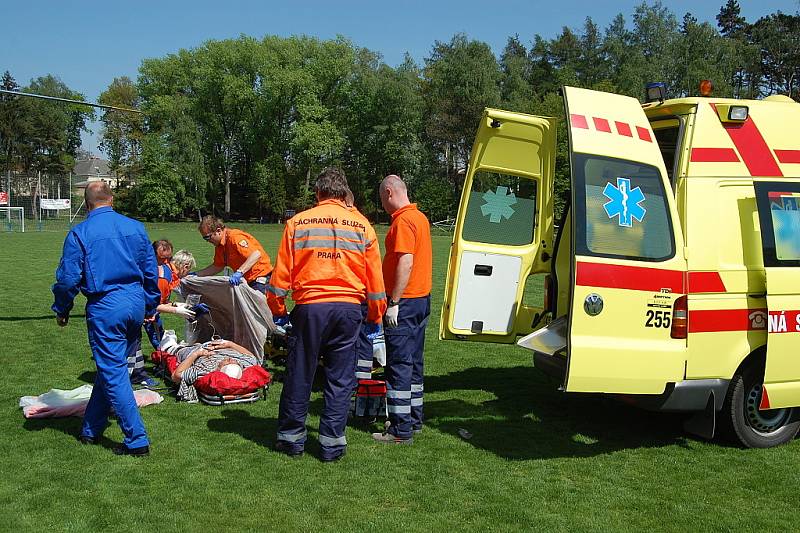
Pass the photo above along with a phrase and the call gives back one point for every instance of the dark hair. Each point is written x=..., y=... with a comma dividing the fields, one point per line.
x=161, y=243
x=210, y=223
x=331, y=183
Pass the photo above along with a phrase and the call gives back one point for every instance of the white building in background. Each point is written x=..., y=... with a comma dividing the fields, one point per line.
x=93, y=169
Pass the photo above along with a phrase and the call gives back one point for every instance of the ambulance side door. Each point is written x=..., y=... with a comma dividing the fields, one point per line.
x=503, y=230
x=628, y=266
x=779, y=218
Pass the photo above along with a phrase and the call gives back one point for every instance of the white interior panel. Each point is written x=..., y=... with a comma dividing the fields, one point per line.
x=489, y=299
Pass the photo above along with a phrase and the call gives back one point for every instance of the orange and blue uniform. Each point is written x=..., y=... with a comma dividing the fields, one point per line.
x=234, y=249
x=329, y=260
x=167, y=281
x=410, y=233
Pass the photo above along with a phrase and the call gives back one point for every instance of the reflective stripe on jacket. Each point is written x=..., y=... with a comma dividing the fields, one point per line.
x=328, y=254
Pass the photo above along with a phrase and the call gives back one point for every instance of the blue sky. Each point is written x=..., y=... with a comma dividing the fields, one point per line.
x=87, y=44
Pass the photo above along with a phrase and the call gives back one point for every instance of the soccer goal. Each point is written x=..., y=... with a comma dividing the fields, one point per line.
x=9, y=216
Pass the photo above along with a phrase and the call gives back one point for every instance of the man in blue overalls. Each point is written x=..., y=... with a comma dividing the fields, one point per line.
x=110, y=260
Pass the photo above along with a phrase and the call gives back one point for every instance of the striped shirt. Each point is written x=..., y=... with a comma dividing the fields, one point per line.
x=205, y=365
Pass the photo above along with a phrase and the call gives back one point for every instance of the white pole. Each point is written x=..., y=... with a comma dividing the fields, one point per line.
x=39, y=197
x=8, y=189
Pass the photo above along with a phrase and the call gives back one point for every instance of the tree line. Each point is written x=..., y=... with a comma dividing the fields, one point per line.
x=240, y=127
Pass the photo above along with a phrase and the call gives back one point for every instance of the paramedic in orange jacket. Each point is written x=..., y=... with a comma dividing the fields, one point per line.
x=329, y=259
x=407, y=272
x=238, y=250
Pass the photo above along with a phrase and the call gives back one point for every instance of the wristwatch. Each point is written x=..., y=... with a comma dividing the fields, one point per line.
x=392, y=303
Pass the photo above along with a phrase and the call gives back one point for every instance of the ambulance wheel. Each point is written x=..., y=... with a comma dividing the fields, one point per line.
x=752, y=427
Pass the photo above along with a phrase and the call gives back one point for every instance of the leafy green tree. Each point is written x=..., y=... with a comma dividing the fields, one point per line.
x=159, y=189
x=778, y=37
x=11, y=121
x=122, y=133
x=516, y=91
x=53, y=129
x=461, y=78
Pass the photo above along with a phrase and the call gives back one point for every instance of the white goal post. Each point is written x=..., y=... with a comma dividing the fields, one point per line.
x=10, y=210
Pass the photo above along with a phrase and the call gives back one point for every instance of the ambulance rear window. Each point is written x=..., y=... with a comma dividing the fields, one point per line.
x=621, y=210
x=501, y=209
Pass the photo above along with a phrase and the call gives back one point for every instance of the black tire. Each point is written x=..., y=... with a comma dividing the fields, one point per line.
x=749, y=426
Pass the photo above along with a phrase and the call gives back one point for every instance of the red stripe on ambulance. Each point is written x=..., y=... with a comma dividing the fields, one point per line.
x=788, y=156
x=705, y=282
x=714, y=155
x=711, y=320
x=752, y=148
x=784, y=322
x=601, y=124
x=646, y=279
x=578, y=121
x=623, y=128
x=628, y=277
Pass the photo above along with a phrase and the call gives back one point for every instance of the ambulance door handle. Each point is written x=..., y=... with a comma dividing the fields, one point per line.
x=483, y=270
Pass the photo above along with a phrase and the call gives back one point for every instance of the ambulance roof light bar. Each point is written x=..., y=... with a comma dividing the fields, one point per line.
x=655, y=92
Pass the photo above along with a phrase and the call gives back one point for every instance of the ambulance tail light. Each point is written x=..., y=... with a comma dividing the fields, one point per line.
x=680, y=318
x=548, y=291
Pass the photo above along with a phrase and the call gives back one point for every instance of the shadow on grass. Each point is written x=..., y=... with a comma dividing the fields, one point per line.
x=70, y=425
x=40, y=317
x=259, y=430
x=530, y=419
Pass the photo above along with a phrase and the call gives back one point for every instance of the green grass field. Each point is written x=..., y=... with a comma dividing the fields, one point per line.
x=537, y=460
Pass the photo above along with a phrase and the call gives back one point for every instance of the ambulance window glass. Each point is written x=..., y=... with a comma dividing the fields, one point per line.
x=500, y=210
x=621, y=210
x=784, y=209
x=667, y=134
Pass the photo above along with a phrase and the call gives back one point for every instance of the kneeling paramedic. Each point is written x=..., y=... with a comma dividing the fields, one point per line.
x=109, y=259
x=329, y=259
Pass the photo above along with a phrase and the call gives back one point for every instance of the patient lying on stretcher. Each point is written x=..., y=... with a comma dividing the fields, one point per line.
x=197, y=360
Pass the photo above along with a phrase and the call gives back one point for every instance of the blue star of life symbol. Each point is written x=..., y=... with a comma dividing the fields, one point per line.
x=498, y=204
x=624, y=202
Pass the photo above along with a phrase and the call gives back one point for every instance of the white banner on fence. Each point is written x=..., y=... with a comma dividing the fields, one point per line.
x=52, y=203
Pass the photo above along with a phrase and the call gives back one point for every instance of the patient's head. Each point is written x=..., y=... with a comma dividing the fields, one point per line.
x=230, y=367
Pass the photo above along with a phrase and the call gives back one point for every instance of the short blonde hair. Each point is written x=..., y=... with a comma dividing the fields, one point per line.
x=183, y=258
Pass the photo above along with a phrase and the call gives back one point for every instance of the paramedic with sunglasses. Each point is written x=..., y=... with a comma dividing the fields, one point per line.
x=238, y=250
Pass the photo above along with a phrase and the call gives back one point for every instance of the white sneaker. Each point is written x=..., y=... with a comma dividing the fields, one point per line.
x=169, y=342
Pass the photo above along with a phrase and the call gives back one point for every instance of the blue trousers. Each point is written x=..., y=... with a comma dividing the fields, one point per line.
x=363, y=349
x=405, y=345
x=329, y=331
x=114, y=325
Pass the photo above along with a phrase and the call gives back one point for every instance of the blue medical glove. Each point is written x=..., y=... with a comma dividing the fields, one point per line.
x=236, y=278
x=281, y=321
x=192, y=274
x=201, y=309
x=373, y=330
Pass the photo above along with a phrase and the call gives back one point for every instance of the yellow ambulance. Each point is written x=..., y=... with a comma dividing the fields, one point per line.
x=674, y=278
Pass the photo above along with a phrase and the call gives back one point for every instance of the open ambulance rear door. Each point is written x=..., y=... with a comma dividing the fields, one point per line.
x=779, y=218
x=504, y=229
x=627, y=259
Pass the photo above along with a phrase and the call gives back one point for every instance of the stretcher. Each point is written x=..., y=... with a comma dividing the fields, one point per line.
x=217, y=388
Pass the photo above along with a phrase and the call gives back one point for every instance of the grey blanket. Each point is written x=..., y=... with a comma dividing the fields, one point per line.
x=237, y=313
